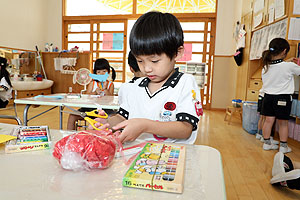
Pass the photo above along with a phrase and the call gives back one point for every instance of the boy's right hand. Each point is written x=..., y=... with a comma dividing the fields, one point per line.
x=102, y=123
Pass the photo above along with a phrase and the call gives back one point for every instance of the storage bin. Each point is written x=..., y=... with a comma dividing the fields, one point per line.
x=294, y=108
x=250, y=116
x=298, y=109
x=296, y=132
x=237, y=103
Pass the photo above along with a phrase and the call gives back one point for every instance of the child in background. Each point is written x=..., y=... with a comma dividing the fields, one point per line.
x=5, y=84
x=163, y=106
x=101, y=67
x=261, y=117
x=261, y=120
x=278, y=86
x=134, y=68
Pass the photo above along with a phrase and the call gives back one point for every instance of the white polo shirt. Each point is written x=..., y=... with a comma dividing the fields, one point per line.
x=172, y=102
x=279, y=79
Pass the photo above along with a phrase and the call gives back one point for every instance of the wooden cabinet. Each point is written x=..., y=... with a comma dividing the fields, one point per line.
x=32, y=93
x=62, y=81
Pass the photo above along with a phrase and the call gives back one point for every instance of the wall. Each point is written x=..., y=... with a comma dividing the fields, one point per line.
x=25, y=24
x=225, y=70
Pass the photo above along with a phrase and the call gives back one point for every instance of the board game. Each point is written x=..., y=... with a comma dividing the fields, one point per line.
x=29, y=138
x=158, y=167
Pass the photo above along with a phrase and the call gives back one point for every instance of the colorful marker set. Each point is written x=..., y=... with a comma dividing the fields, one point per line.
x=29, y=138
x=158, y=167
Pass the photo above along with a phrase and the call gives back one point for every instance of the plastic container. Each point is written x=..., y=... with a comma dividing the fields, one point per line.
x=294, y=108
x=237, y=103
x=250, y=117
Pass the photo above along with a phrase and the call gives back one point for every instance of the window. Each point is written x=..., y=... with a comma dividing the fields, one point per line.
x=118, y=7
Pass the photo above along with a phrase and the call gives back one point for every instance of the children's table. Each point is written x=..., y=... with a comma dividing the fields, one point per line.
x=61, y=100
x=37, y=175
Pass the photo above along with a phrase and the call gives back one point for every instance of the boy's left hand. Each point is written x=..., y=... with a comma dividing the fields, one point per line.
x=132, y=129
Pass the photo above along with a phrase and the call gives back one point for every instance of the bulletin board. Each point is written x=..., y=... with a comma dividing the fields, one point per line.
x=261, y=38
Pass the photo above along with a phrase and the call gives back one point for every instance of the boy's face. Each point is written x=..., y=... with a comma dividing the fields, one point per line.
x=158, y=68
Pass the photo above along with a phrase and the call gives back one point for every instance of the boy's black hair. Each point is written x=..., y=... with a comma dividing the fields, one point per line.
x=102, y=63
x=132, y=62
x=276, y=46
x=156, y=33
x=3, y=72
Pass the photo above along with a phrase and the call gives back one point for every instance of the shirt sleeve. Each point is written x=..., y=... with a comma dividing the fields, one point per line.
x=186, y=110
x=295, y=68
x=123, y=102
x=4, y=84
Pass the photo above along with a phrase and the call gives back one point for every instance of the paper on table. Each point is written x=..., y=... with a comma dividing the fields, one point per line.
x=5, y=138
x=296, y=7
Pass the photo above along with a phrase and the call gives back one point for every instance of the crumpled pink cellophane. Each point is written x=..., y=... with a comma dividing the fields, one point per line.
x=86, y=150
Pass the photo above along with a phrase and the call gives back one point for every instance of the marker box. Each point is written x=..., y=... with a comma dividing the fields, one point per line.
x=158, y=167
x=29, y=138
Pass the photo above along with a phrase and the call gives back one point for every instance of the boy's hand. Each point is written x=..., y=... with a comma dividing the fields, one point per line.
x=133, y=128
x=102, y=123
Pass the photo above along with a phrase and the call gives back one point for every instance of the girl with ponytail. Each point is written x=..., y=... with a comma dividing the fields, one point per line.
x=278, y=87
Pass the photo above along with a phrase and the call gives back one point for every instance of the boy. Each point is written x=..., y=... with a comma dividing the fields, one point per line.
x=134, y=68
x=163, y=106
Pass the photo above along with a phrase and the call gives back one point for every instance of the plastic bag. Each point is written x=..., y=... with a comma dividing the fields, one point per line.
x=86, y=150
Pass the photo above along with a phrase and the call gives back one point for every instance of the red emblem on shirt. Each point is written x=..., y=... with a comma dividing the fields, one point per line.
x=170, y=106
x=199, y=109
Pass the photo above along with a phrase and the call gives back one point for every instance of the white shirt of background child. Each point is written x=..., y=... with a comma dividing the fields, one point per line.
x=6, y=94
x=279, y=79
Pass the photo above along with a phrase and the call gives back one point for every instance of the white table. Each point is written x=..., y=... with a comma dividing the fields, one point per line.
x=88, y=101
x=37, y=175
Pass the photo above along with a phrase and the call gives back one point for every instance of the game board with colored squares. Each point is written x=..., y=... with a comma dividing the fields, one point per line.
x=158, y=167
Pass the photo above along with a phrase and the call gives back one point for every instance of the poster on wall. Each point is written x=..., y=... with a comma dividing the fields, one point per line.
x=294, y=29
x=296, y=10
x=279, y=8
x=113, y=41
x=188, y=51
x=262, y=37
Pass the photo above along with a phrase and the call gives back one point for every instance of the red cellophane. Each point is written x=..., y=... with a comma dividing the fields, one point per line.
x=86, y=150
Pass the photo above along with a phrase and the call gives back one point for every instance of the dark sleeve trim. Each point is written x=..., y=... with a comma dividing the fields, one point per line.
x=123, y=113
x=188, y=118
x=6, y=88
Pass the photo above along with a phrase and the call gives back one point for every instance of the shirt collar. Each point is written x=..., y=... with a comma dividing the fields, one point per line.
x=172, y=80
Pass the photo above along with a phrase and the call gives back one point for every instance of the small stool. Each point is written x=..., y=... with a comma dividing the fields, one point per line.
x=230, y=110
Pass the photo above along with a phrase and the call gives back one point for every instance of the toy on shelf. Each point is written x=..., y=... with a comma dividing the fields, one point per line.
x=29, y=138
x=158, y=167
